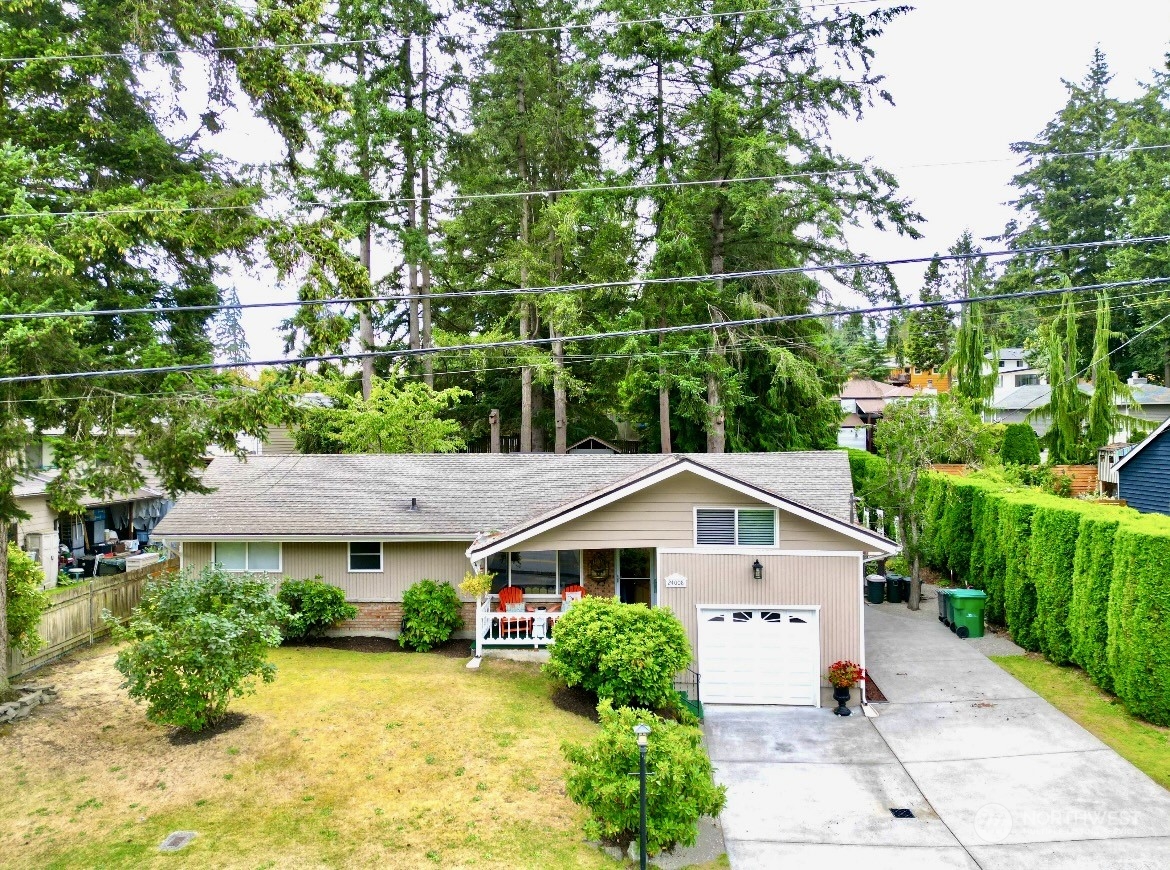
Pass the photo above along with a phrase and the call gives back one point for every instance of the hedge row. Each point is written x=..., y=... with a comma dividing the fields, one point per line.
x=1081, y=583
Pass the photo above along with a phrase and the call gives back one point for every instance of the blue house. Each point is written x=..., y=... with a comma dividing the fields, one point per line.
x=1143, y=474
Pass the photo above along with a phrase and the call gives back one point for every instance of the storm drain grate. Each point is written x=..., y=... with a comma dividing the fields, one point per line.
x=901, y=813
x=176, y=841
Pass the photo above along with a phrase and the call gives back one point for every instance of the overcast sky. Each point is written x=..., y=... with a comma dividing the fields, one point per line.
x=969, y=77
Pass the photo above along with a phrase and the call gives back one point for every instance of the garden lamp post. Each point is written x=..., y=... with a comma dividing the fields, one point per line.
x=642, y=732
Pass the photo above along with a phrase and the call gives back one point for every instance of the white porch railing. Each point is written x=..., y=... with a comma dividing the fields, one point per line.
x=528, y=628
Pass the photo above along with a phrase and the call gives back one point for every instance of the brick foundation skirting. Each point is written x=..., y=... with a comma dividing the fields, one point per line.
x=385, y=618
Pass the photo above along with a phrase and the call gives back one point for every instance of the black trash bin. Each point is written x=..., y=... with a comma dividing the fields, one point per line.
x=893, y=589
x=875, y=589
x=905, y=581
x=942, y=604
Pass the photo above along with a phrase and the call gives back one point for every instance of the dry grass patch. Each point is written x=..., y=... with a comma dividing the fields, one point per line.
x=348, y=759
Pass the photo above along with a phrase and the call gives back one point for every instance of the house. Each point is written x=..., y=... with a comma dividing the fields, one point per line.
x=1143, y=474
x=757, y=554
x=1151, y=403
x=862, y=402
x=929, y=380
x=1012, y=371
x=131, y=515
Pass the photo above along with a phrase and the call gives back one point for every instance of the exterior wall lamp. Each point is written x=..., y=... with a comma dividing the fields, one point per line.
x=757, y=570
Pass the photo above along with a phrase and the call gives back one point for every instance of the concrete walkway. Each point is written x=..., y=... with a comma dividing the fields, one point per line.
x=996, y=778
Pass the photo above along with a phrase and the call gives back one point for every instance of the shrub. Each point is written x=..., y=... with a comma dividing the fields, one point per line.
x=1089, y=609
x=1020, y=445
x=477, y=585
x=313, y=606
x=628, y=653
x=431, y=613
x=26, y=602
x=1139, y=618
x=197, y=641
x=1050, y=559
x=1019, y=591
x=679, y=790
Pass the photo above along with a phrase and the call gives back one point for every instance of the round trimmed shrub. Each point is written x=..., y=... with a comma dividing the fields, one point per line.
x=313, y=606
x=1020, y=445
x=628, y=653
x=431, y=613
x=679, y=792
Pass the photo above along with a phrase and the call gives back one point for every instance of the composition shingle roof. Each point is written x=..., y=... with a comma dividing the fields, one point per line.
x=1033, y=396
x=458, y=494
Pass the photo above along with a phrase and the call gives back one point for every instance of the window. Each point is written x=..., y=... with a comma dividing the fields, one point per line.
x=250, y=556
x=538, y=572
x=365, y=555
x=735, y=527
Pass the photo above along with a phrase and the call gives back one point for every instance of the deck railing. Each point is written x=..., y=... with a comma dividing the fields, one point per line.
x=528, y=628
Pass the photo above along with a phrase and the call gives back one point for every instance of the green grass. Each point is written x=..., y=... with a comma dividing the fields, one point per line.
x=1071, y=691
x=393, y=760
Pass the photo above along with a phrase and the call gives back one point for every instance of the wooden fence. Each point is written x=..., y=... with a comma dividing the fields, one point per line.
x=1083, y=477
x=75, y=616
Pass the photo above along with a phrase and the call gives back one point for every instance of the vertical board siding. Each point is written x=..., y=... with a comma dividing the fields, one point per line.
x=833, y=582
x=74, y=617
x=402, y=565
x=1144, y=481
x=663, y=516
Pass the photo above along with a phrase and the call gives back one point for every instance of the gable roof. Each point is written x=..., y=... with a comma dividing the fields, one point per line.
x=671, y=466
x=1149, y=439
x=459, y=495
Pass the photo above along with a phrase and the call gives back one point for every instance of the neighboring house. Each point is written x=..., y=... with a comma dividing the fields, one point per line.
x=1107, y=459
x=1143, y=474
x=757, y=554
x=927, y=380
x=133, y=515
x=863, y=401
x=1013, y=371
x=1151, y=404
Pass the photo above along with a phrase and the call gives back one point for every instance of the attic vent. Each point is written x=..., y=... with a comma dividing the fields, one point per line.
x=414, y=504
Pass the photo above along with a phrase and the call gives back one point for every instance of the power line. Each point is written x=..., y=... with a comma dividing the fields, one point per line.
x=600, y=285
x=441, y=200
x=282, y=46
x=534, y=342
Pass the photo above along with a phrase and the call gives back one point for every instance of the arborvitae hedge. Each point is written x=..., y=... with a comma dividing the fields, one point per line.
x=1020, y=445
x=1139, y=617
x=1082, y=582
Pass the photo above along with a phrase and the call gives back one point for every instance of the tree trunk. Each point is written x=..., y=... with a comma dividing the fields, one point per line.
x=365, y=323
x=494, y=426
x=410, y=170
x=560, y=395
x=663, y=395
x=525, y=307
x=5, y=688
x=425, y=213
x=915, y=586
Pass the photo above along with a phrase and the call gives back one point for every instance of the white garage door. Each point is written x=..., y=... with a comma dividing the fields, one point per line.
x=759, y=655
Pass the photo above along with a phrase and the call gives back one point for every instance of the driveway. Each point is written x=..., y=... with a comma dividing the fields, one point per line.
x=996, y=778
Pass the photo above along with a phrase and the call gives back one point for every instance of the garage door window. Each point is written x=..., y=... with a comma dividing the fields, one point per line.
x=735, y=527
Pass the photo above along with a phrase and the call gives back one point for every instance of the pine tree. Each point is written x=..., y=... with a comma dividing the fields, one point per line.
x=928, y=332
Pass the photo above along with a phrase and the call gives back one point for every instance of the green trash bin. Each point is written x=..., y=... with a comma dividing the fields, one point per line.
x=968, y=607
x=893, y=589
x=875, y=589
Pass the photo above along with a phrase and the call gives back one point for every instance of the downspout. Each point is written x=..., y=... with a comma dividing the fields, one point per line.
x=861, y=626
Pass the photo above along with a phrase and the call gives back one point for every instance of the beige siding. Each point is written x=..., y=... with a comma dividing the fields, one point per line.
x=833, y=582
x=41, y=521
x=663, y=516
x=402, y=565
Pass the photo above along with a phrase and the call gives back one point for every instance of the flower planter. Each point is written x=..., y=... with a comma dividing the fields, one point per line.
x=841, y=696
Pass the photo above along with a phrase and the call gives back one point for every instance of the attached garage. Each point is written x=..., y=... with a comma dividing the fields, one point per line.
x=759, y=655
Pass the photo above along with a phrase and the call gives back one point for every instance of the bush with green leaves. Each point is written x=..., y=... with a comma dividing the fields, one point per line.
x=1020, y=445
x=628, y=653
x=679, y=790
x=313, y=606
x=26, y=601
x=431, y=613
x=196, y=641
x=1051, y=563
x=1089, y=609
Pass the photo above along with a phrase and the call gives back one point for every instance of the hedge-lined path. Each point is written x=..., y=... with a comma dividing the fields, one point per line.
x=1015, y=781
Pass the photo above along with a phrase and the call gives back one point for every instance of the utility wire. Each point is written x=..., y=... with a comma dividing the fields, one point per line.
x=442, y=200
x=601, y=285
x=282, y=46
x=534, y=342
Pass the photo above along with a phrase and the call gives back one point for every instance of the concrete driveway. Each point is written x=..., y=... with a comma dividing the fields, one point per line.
x=996, y=777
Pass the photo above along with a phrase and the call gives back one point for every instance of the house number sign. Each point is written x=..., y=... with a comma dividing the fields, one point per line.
x=676, y=581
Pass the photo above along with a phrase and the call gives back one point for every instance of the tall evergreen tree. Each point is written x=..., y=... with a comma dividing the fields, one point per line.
x=928, y=330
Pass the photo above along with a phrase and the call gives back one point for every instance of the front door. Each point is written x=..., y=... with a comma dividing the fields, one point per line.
x=635, y=572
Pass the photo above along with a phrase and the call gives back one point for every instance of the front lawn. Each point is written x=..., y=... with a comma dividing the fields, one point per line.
x=349, y=759
x=1071, y=691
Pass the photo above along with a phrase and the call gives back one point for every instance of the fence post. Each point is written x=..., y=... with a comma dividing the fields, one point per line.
x=91, y=593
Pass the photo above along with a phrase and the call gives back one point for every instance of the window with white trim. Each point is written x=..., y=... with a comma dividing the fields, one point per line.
x=540, y=572
x=248, y=555
x=735, y=527
x=365, y=556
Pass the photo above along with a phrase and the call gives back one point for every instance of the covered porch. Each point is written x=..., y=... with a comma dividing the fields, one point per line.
x=532, y=589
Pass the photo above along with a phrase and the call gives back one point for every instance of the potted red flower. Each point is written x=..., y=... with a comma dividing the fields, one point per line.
x=843, y=676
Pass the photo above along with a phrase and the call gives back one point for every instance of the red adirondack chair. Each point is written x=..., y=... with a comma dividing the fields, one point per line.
x=513, y=626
